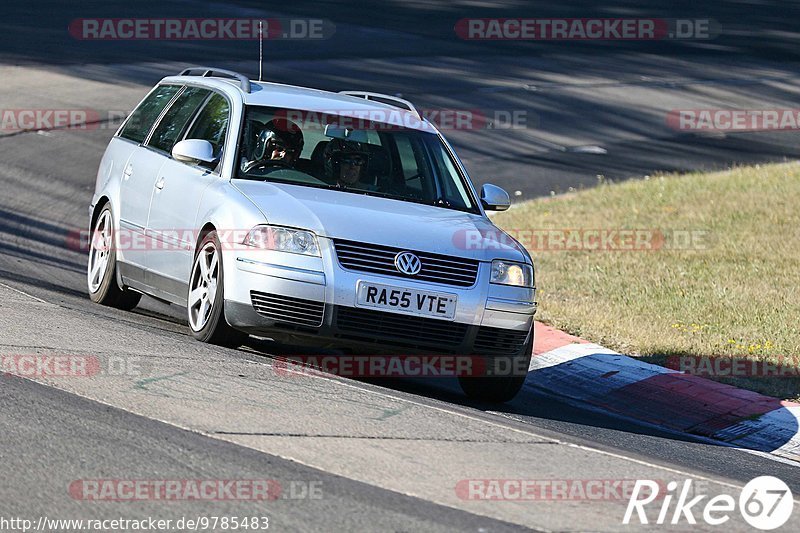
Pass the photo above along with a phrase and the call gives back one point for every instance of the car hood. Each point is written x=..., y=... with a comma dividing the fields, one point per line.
x=363, y=218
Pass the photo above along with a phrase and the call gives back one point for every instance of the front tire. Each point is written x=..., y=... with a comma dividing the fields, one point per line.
x=206, y=301
x=499, y=389
x=101, y=271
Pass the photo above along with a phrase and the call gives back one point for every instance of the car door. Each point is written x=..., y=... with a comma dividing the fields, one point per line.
x=173, y=213
x=138, y=176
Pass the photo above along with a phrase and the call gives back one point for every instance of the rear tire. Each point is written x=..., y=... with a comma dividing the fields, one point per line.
x=206, y=301
x=101, y=275
x=499, y=389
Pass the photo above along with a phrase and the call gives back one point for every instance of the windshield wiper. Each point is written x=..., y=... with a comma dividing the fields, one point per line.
x=390, y=196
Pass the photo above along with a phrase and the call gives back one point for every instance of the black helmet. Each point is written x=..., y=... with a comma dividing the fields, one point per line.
x=278, y=132
x=337, y=149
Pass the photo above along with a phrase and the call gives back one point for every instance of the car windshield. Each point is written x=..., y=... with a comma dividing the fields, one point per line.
x=350, y=155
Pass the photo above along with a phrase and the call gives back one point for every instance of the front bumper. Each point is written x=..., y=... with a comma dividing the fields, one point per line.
x=311, y=301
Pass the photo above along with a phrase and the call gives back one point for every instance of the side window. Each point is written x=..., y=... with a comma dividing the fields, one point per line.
x=177, y=117
x=142, y=119
x=212, y=123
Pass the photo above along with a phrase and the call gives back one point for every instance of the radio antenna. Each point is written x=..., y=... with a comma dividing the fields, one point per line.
x=260, y=48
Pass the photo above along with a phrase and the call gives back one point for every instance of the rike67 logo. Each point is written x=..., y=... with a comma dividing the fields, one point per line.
x=765, y=503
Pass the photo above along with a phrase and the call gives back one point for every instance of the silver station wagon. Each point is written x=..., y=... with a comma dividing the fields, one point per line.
x=336, y=221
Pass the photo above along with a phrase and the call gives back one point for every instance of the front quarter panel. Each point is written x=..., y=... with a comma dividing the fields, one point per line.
x=232, y=214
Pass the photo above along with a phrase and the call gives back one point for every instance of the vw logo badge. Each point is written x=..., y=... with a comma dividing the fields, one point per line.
x=407, y=263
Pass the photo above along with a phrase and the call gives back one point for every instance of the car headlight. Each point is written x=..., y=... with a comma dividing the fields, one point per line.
x=510, y=273
x=283, y=239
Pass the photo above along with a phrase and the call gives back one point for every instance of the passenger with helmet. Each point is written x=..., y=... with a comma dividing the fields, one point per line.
x=278, y=145
x=346, y=164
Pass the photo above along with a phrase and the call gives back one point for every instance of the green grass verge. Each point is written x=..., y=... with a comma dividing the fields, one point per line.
x=732, y=291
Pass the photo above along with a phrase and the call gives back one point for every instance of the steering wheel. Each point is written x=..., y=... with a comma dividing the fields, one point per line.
x=262, y=163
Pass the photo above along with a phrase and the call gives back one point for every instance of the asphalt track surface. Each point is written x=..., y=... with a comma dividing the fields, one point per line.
x=387, y=455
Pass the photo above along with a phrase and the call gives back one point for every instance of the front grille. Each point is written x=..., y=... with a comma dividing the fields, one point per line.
x=496, y=341
x=379, y=259
x=293, y=311
x=401, y=329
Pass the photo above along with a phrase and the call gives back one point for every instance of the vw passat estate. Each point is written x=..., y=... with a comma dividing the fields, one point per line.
x=327, y=220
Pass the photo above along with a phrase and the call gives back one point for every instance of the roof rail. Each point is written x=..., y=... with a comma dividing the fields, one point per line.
x=391, y=100
x=208, y=72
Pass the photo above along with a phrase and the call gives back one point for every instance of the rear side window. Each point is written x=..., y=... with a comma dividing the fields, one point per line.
x=176, y=119
x=142, y=119
x=212, y=123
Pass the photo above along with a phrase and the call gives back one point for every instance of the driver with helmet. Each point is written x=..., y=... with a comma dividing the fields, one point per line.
x=278, y=145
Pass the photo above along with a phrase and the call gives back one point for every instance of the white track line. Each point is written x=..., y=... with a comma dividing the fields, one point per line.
x=23, y=293
x=532, y=434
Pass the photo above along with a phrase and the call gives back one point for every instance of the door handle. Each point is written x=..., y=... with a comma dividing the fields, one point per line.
x=160, y=183
x=127, y=172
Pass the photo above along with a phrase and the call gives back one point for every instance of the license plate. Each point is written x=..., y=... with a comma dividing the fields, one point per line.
x=406, y=301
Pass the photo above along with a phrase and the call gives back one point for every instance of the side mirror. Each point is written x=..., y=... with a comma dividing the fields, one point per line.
x=494, y=198
x=194, y=151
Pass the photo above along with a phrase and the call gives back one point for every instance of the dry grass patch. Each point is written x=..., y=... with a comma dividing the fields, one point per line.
x=731, y=292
